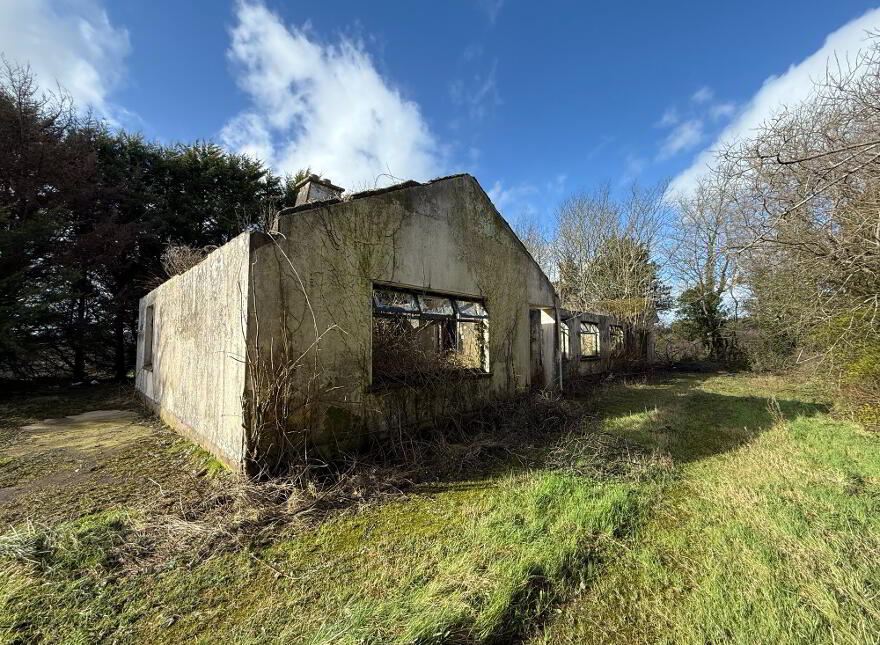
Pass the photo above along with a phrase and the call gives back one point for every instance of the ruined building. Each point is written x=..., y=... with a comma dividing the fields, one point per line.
x=356, y=315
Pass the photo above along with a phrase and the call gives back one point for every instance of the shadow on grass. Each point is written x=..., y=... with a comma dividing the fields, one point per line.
x=690, y=424
x=668, y=414
x=673, y=416
x=21, y=404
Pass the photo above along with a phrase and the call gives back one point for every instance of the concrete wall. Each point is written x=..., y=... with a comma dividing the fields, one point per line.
x=575, y=365
x=316, y=280
x=197, y=375
x=543, y=348
x=303, y=297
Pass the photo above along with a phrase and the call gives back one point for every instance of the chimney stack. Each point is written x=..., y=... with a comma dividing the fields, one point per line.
x=315, y=189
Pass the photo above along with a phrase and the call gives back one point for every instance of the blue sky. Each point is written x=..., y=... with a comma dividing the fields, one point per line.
x=535, y=100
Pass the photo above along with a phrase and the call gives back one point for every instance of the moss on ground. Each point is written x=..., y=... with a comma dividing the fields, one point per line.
x=48, y=481
x=696, y=509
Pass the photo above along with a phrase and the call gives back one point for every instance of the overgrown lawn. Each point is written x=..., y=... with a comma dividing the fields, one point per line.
x=688, y=509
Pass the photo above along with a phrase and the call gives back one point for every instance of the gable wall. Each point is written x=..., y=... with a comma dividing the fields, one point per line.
x=315, y=279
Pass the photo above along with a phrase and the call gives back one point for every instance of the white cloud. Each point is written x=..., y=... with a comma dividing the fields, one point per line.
x=789, y=88
x=324, y=106
x=69, y=43
x=478, y=97
x=634, y=167
x=670, y=117
x=472, y=52
x=683, y=137
x=703, y=95
x=722, y=110
x=557, y=184
x=249, y=134
x=527, y=201
x=604, y=140
x=492, y=9
x=507, y=198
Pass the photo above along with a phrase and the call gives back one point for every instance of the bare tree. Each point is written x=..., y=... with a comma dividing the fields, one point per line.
x=809, y=191
x=702, y=263
x=536, y=239
x=699, y=243
x=604, y=249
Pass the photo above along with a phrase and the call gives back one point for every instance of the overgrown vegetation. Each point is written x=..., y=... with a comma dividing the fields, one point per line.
x=604, y=253
x=784, y=234
x=681, y=509
x=725, y=508
x=773, y=254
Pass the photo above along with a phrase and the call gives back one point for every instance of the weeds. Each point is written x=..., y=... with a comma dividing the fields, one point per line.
x=603, y=455
x=686, y=510
x=71, y=548
x=231, y=512
x=179, y=258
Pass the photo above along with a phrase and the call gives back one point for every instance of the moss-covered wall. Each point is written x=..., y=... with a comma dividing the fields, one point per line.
x=298, y=303
x=312, y=284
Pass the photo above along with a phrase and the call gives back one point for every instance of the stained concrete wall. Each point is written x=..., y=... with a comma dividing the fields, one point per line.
x=575, y=365
x=316, y=280
x=543, y=348
x=198, y=370
x=304, y=294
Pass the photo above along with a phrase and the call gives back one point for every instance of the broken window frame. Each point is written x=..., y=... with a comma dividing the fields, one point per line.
x=564, y=339
x=589, y=328
x=149, y=327
x=465, y=310
x=390, y=309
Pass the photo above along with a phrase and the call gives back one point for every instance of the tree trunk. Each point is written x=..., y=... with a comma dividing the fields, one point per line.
x=79, y=350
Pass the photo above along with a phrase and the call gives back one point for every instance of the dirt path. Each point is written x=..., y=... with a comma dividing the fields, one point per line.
x=66, y=452
x=63, y=466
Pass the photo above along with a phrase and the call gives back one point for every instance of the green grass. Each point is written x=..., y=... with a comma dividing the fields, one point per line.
x=52, y=481
x=774, y=541
x=473, y=563
x=703, y=513
x=202, y=461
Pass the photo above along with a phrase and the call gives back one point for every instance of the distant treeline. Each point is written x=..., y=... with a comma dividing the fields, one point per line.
x=85, y=213
x=772, y=253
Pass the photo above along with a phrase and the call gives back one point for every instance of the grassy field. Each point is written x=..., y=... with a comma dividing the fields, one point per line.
x=687, y=509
